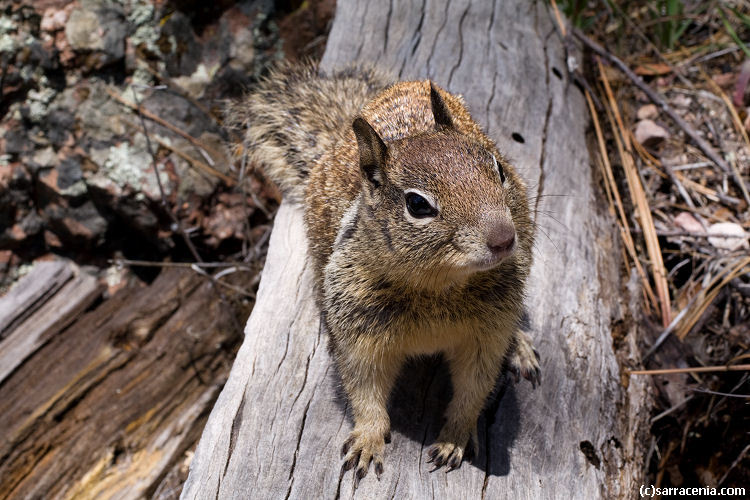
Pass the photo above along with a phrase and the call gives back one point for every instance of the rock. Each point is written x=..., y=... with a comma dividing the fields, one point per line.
x=193, y=181
x=732, y=238
x=83, y=30
x=69, y=172
x=80, y=226
x=178, y=45
x=59, y=125
x=227, y=219
x=98, y=31
x=649, y=134
x=681, y=101
x=687, y=222
x=17, y=141
x=45, y=157
x=55, y=19
x=51, y=240
x=647, y=112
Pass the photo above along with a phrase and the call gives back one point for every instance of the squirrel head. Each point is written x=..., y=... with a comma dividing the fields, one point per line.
x=440, y=200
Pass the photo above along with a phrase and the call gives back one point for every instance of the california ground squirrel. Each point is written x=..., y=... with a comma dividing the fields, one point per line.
x=420, y=235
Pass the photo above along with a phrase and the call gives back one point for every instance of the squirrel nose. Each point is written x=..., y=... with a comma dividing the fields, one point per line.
x=501, y=238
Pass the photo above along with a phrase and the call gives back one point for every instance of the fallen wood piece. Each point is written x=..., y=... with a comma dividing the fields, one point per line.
x=277, y=428
x=56, y=313
x=30, y=293
x=108, y=406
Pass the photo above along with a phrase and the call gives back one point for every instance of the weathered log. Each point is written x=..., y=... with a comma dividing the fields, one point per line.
x=49, y=298
x=278, y=425
x=104, y=403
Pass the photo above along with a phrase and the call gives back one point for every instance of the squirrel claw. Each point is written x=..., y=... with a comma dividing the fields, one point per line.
x=524, y=361
x=445, y=454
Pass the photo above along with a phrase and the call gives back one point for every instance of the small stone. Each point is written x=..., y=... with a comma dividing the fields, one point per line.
x=647, y=112
x=52, y=240
x=54, y=19
x=83, y=30
x=45, y=157
x=724, y=80
x=649, y=134
x=681, y=101
x=732, y=238
x=98, y=33
x=687, y=222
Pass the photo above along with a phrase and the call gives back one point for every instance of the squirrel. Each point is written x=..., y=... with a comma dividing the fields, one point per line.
x=420, y=235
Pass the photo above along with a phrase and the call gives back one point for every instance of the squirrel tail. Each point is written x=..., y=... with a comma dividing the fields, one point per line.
x=296, y=114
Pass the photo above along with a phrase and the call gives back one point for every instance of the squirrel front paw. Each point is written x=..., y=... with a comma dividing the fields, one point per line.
x=451, y=447
x=524, y=360
x=361, y=448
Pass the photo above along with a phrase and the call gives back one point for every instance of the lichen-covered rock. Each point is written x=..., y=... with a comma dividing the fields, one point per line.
x=74, y=162
x=97, y=30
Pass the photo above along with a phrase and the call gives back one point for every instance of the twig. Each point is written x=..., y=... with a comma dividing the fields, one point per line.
x=640, y=201
x=201, y=165
x=696, y=369
x=207, y=265
x=708, y=293
x=164, y=203
x=177, y=89
x=690, y=166
x=707, y=149
x=192, y=161
x=734, y=464
x=663, y=336
x=623, y=221
x=716, y=393
x=163, y=123
x=558, y=18
x=671, y=410
x=213, y=279
x=690, y=234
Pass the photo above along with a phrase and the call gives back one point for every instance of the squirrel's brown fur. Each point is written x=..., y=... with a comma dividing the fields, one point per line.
x=392, y=284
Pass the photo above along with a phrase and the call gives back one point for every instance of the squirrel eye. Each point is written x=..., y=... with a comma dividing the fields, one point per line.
x=418, y=206
x=499, y=169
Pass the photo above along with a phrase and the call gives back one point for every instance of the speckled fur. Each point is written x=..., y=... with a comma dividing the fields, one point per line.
x=296, y=114
x=390, y=287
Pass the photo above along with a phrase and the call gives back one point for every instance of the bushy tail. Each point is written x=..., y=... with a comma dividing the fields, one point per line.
x=296, y=113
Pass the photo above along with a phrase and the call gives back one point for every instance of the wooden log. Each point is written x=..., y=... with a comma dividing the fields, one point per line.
x=44, y=280
x=108, y=404
x=278, y=425
x=51, y=296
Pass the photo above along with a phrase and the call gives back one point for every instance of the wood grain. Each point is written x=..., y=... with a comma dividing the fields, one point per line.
x=104, y=403
x=277, y=428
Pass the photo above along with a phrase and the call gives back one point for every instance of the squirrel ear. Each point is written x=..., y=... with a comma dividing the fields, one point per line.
x=372, y=151
x=439, y=109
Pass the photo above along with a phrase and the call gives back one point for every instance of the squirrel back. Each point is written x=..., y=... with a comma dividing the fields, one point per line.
x=296, y=114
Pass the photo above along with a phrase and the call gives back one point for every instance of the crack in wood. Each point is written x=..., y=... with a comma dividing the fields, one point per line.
x=545, y=129
x=430, y=72
x=489, y=101
x=415, y=41
x=236, y=426
x=387, y=27
x=460, y=43
x=296, y=450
